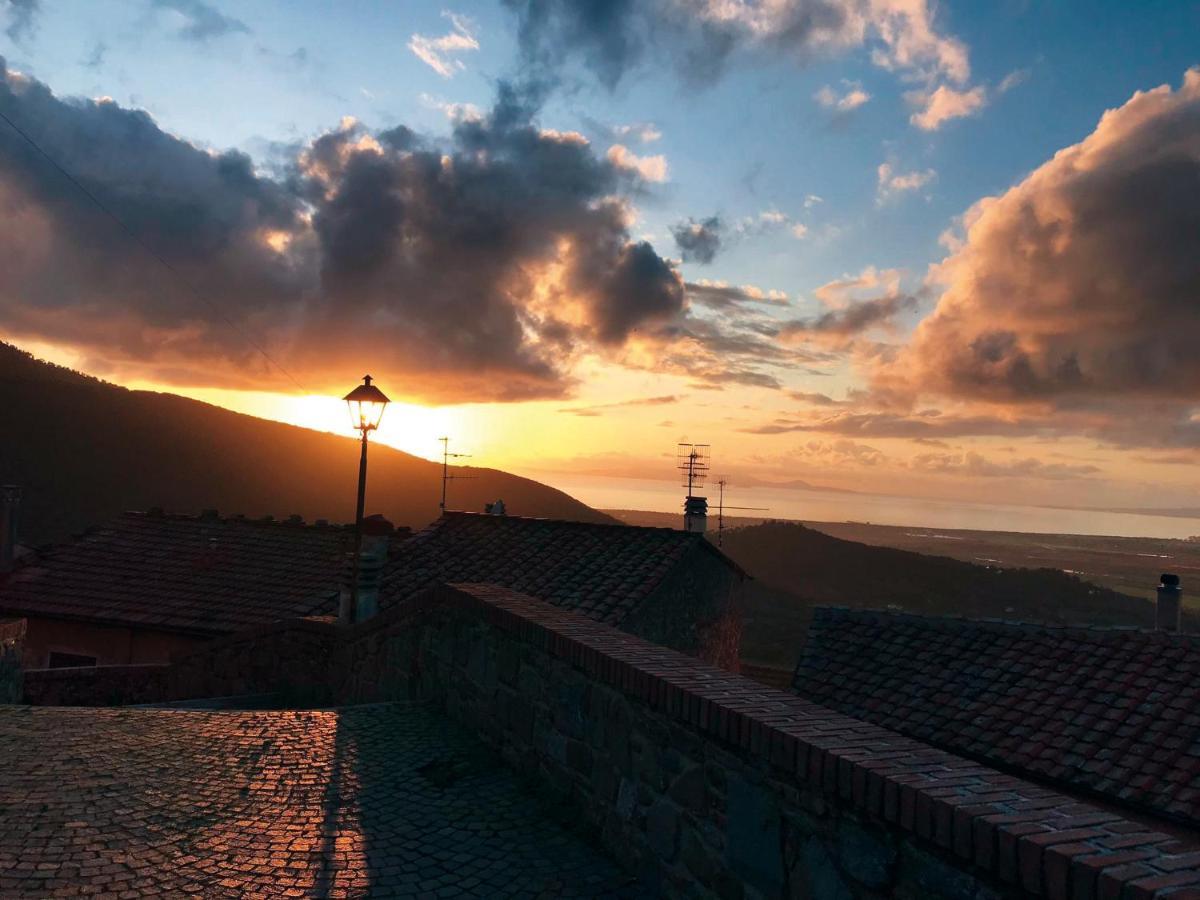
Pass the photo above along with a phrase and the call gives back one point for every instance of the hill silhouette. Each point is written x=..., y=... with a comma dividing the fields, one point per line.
x=84, y=450
x=797, y=568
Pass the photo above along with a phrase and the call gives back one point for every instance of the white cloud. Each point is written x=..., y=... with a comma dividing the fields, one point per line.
x=943, y=104
x=438, y=52
x=651, y=168
x=645, y=132
x=867, y=284
x=892, y=182
x=769, y=221
x=849, y=99
x=455, y=112
x=1011, y=80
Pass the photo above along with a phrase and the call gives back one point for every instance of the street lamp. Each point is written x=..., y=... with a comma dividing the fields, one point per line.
x=366, y=403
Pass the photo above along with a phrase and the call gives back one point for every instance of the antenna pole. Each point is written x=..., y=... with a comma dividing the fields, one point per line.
x=721, y=512
x=445, y=469
x=446, y=476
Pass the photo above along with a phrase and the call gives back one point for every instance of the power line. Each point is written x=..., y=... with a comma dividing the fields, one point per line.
x=150, y=250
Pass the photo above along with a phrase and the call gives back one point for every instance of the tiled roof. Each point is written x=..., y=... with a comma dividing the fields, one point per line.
x=602, y=571
x=377, y=800
x=200, y=574
x=1113, y=712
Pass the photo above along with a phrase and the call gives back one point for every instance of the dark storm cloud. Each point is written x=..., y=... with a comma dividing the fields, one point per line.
x=202, y=21
x=859, y=316
x=699, y=241
x=69, y=274
x=95, y=59
x=720, y=296
x=610, y=38
x=478, y=269
x=21, y=16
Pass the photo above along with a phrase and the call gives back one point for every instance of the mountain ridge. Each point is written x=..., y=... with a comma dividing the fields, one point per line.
x=84, y=450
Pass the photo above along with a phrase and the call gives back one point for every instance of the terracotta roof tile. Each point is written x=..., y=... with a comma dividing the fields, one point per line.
x=199, y=574
x=1113, y=711
x=602, y=571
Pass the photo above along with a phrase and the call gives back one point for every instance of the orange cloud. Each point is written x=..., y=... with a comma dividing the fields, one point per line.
x=1083, y=280
x=943, y=104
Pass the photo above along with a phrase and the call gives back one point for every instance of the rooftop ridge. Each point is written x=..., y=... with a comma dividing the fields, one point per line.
x=464, y=513
x=693, y=536
x=834, y=612
x=292, y=521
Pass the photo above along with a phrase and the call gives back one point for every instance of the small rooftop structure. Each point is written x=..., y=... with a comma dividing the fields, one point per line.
x=1111, y=712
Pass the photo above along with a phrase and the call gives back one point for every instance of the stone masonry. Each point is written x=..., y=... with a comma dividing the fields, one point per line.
x=707, y=784
x=711, y=785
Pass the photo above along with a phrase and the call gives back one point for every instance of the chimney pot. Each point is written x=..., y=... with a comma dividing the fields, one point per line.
x=1170, y=603
x=695, y=514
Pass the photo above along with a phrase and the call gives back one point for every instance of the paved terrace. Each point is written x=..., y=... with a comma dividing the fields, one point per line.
x=381, y=799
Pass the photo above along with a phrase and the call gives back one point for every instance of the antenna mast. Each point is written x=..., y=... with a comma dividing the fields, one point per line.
x=446, y=476
x=692, y=461
x=722, y=481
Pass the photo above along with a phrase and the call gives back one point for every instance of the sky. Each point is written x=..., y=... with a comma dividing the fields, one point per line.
x=937, y=250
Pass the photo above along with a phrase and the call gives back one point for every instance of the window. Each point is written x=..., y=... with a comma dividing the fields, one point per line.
x=68, y=660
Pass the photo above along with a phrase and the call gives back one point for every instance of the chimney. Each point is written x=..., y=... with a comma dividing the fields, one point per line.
x=376, y=536
x=10, y=507
x=695, y=514
x=1170, y=603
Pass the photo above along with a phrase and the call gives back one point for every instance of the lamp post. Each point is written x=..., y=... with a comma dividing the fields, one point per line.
x=366, y=403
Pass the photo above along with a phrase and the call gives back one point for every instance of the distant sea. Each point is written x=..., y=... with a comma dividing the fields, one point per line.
x=832, y=506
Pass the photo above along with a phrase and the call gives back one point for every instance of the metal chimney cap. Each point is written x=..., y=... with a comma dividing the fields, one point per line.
x=1168, y=580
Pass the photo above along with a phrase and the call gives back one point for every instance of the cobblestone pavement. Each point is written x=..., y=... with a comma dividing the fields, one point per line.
x=370, y=800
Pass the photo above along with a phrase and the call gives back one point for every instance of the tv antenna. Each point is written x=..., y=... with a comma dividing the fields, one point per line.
x=446, y=476
x=721, y=507
x=692, y=461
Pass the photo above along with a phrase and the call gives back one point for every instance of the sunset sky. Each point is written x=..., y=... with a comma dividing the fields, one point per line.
x=944, y=250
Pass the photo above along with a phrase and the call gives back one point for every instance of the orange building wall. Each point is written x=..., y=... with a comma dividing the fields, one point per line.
x=111, y=646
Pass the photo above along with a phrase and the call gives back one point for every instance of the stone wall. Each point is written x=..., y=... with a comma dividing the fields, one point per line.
x=704, y=782
x=111, y=645
x=712, y=785
x=292, y=659
x=12, y=638
x=96, y=685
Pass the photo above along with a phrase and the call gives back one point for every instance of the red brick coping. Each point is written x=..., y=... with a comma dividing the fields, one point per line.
x=1019, y=833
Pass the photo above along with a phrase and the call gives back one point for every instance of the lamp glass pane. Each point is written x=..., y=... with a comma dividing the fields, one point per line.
x=365, y=414
x=373, y=413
